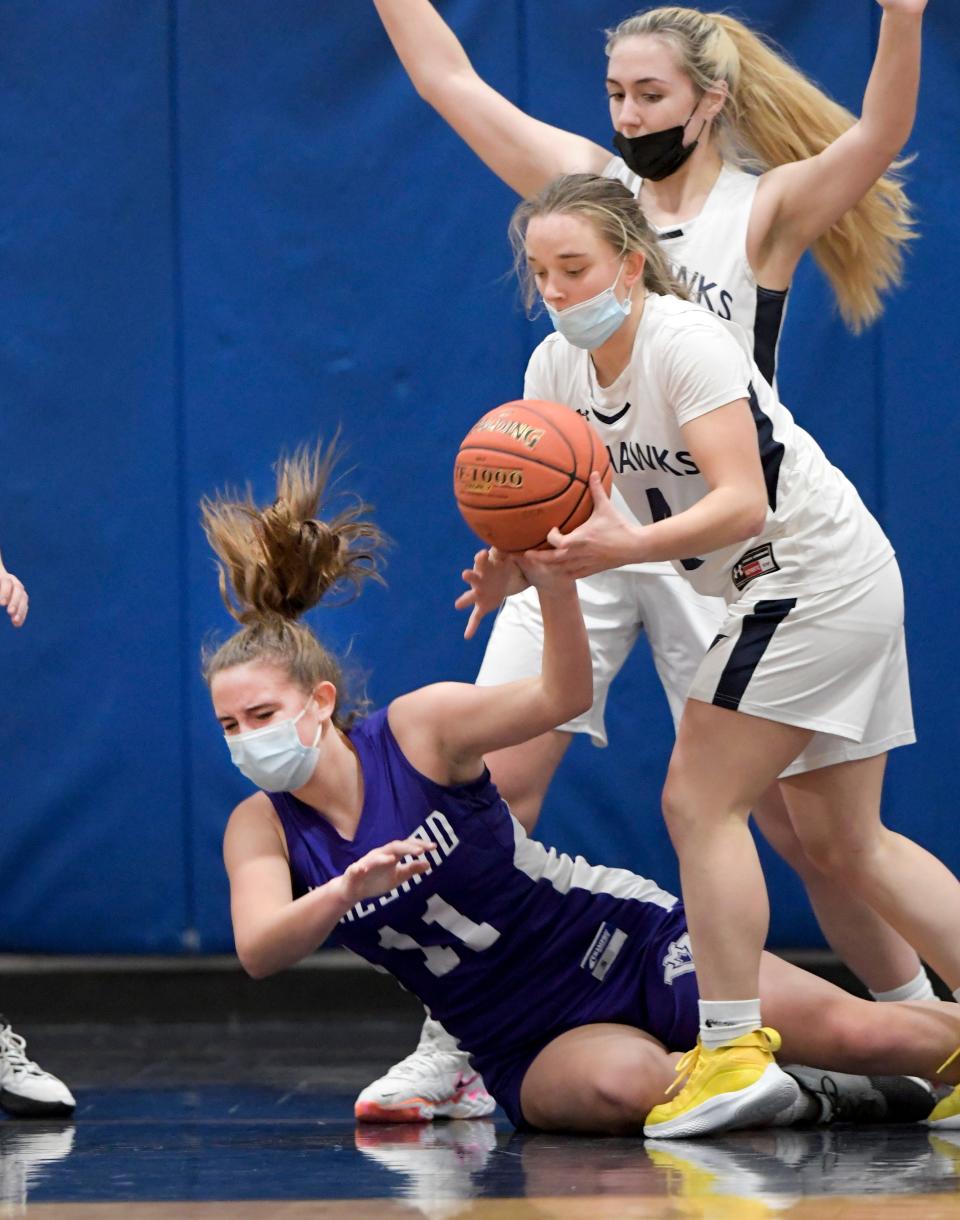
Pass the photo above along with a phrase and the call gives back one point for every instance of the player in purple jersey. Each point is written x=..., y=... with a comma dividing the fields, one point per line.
x=741, y=163
x=387, y=834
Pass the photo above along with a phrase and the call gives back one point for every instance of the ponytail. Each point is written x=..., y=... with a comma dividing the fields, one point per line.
x=276, y=563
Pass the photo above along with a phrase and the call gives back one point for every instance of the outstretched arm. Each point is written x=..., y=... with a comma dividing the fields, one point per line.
x=272, y=930
x=13, y=596
x=446, y=729
x=799, y=202
x=524, y=152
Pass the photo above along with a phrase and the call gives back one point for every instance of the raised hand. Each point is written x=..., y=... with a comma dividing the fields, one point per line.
x=14, y=596
x=493, y=577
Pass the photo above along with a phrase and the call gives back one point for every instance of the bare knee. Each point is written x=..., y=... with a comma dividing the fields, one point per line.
x=857, y=1036
x=623, y=1098
x=605, y=1093
x=680, y=810
x=842, y=859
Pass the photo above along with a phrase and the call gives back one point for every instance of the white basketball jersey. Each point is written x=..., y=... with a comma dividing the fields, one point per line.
x=686, y=362
x=708, y=255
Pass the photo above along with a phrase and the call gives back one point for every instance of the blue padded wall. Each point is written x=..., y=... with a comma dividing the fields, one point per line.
x=227, y=228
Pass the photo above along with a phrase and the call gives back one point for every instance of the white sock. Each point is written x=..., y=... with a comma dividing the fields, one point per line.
x=918, y=988
x=723, y=1020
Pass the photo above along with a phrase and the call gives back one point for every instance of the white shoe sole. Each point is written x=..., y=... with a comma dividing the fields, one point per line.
x=418, y=1110
x=751, y=1107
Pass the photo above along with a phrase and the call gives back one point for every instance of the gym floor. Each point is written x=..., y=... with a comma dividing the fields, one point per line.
x=248, y=1118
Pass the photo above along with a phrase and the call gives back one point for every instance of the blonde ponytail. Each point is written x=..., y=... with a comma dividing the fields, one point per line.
x=775, y=115
x=277, y=562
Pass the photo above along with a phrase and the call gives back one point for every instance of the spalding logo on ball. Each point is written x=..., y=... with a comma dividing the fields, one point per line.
x=523, y=469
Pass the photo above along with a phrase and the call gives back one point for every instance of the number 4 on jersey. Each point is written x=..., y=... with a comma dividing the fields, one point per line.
x=660, y=511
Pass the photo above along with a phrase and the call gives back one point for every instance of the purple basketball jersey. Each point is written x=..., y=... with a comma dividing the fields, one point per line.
x=502, y=938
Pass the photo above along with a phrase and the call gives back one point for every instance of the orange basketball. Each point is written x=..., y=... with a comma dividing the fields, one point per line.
x=523, y=469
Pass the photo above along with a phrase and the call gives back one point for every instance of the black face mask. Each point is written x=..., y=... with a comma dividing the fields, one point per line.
x=658, y=154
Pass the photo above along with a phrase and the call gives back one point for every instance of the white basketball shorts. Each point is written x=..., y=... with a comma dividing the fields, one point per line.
x=832, y=662
x=617, y=606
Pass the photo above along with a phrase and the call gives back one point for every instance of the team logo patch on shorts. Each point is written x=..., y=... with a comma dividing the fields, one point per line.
x=678, y=959
x=757, y=562
x=603, y=950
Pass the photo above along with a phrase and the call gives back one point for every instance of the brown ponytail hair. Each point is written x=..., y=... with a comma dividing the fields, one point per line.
x=276, y=563
x=615, y=214
x=775, y=115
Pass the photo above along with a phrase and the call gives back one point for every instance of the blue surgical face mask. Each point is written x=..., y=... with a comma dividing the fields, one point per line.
x=591, y=323
x=274, y=758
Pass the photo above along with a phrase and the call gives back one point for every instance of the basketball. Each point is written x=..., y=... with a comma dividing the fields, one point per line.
x=523, y=469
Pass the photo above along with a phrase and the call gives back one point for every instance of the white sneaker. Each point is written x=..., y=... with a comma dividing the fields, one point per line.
x=436, y=1081
x=26, y=1089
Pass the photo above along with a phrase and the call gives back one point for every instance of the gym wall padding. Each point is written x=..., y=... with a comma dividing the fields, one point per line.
x=230, y=228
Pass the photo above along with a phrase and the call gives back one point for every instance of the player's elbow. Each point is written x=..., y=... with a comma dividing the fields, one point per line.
x=576, y=698
x=447, y=89
x=584, y=698
x=255, y=958
x=751, y=517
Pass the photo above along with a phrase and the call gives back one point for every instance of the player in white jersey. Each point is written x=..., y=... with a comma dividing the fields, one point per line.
x=810, y=655
x=686, y=88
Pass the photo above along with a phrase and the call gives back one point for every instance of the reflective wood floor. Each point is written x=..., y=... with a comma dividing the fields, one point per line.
x=214, y=1122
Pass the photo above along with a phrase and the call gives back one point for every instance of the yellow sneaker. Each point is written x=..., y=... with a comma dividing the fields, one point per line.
x=736, y=1085
x=946, y=1113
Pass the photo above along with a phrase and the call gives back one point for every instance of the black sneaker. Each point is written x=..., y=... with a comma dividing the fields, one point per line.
x=865, y=1099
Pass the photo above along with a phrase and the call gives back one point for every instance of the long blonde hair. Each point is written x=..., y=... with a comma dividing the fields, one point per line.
x=775, y=115
x=615, y=214
x=277, y=562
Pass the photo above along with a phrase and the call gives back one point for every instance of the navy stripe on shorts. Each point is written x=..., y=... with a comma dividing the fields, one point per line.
x=755, y=634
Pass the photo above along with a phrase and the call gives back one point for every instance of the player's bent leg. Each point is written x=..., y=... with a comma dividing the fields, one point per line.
x=879, y=957
x=523, y=773
x=597, y=1078
x=822, y=1024
x=723, y=761
x=435, y=1081
x=721, y=764
x=836, y=813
